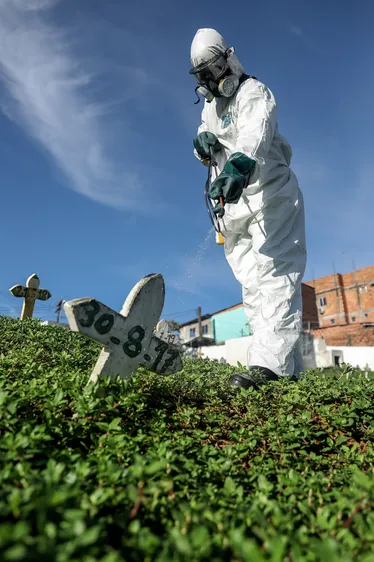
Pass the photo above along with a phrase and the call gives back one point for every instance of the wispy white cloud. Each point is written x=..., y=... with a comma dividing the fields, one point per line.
x=296, y=30
x=299, y=32
x=50, y=95
x=195, y=272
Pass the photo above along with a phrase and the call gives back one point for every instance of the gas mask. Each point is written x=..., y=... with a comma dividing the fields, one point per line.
x=215, y=77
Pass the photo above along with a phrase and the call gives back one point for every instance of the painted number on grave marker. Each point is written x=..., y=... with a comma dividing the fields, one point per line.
x=173, y=354
x=91, y=309
x=161, y=348
x=104, y=324
x=133, y=346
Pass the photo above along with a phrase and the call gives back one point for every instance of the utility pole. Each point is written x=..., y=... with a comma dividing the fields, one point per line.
x=337, y=293
x=58, y=309
x=199, y=320
x=357, y=290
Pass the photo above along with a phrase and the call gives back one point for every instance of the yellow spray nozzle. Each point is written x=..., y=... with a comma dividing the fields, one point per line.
x=219, y=239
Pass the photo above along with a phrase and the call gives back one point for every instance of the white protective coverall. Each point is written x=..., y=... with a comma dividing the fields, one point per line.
x=265, y=231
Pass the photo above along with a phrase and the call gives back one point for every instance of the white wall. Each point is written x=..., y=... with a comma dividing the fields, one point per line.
x=54, y=323
x=355, y=356
x=308, y=350
x=232, y=351
x=237, y=350
x=315, y=353
x=214, y=352
x=323, y=357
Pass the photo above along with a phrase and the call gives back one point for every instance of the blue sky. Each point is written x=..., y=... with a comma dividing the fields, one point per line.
x=100, y=185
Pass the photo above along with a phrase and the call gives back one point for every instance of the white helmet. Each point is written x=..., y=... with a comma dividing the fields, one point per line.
x=214, y=65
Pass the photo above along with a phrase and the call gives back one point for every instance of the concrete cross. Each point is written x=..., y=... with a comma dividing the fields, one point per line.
x=30, y=293
x=128, y=337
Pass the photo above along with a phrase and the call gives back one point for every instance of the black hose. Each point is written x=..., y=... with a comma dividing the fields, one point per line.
x=208, y=203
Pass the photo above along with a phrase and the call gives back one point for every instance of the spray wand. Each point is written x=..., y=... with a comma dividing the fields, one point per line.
x=213, y=165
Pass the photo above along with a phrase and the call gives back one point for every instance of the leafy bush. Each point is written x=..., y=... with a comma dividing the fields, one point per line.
x=178, y=468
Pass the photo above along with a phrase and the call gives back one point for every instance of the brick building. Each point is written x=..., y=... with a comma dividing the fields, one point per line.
x=345, y=305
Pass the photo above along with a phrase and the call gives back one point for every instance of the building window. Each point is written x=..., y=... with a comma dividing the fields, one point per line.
x=322, y=301
x=353, y=318
x=192, y=332
x=366, y=315
x=205, y=329
x=332, y=321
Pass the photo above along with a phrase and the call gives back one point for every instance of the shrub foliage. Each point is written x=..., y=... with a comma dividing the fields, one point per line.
x=179, y=468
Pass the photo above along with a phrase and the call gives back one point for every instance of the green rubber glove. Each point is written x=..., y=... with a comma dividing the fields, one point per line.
x=203, y=142
x=231, y=181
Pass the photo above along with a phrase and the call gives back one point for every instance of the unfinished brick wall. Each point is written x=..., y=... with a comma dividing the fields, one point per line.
x=345, y=299
x=351, y=334
x=310, y=312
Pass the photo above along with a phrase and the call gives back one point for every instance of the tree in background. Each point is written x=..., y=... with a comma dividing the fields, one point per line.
x=174, y=326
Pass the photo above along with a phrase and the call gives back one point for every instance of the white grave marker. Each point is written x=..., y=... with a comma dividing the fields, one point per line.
x=128, y=337
x=163, y=332
x=30, y=293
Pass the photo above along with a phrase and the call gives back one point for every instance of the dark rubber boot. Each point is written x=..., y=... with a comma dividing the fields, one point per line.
x=261, y=375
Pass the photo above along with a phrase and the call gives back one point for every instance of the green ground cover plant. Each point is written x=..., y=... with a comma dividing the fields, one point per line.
x=179, y=468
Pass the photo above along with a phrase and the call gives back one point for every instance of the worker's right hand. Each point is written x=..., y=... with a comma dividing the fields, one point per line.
x=204, y=142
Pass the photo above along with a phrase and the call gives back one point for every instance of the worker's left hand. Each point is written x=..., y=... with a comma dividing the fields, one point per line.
x=231, y=181
x=227, y=186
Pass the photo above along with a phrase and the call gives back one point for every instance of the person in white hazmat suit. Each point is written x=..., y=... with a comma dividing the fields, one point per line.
x=263, y=222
